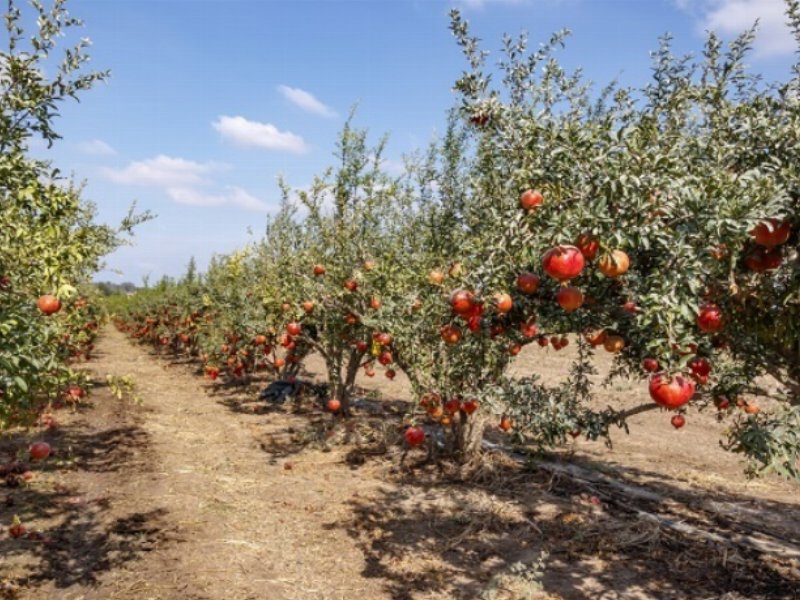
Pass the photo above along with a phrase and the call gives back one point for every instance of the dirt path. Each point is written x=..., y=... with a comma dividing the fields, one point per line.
x=203, y=492
x=222, y=521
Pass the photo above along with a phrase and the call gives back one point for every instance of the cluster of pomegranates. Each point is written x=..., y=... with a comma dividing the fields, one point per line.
x=381, y=350
x=674, y=391
x=443, y=411
x=768, y=237
x=259, y=354
x=563, y=263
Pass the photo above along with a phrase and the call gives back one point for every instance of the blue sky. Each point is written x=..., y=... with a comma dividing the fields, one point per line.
x=209, y=100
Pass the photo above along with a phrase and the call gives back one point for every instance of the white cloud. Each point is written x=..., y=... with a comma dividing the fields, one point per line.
x=233, y=196
x=185, y=182
x=731, y=17
x=306, y=101
x=247, y=133
x=163, y=171
x=96, y=148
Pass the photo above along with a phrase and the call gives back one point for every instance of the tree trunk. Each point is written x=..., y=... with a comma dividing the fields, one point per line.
x=348, y=384
x=469, y=436
x=339, y=388
x=342, y=384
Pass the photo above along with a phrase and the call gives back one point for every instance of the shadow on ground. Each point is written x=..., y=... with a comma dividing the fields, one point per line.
x=431, y=536
x=304, y=422
x=74, y=534
x=83, y=546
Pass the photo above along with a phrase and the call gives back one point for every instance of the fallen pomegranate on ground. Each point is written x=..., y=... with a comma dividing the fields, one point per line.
x=39, y=450
x=414, y=436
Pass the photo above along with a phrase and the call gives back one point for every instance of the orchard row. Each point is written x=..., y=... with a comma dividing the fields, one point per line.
x=658, y=224
x=49, y=244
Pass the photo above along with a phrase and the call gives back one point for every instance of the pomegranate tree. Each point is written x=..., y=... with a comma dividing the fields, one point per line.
x=50, y=244
x=332, y=272
x=674, y=216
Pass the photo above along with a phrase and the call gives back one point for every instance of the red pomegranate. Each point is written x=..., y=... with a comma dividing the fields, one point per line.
x=671, y=393
x=503, y=302
x=470, y=406
x=48, y=304
x=528, y=330
x=462, y=302
x=650, y=364
x=761, y=260
x=530, y=199
x=700, y=366
x=771, y=233
x=39, y=450
x=563, y=262
x=570, y=298
x=414, y=436
x=588, y=245
x=678, y=421
x=709, y=319
x=450, y=334
x=527, y=282
x=452, y=406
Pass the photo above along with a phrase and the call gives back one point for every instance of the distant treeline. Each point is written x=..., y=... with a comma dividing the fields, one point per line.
x=109, y=289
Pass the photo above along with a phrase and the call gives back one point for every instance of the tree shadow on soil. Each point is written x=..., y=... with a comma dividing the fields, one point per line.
x=74, y=534
x=84, y=545
x=778, y=519
x=309, y=423
x=428, y=535
x=111, y=450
